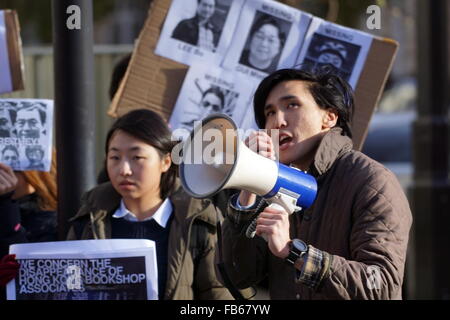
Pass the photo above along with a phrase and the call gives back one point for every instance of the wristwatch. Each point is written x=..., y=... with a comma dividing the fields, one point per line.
x=298, y=249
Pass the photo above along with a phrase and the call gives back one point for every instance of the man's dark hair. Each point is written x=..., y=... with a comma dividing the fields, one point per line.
x=266, y=19
x=118, y=73
x=217, y=92
x=328, y=90
x=150, y=127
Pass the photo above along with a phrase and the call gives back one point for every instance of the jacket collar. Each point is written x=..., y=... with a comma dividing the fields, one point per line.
x=104, y=198
x=332, y=146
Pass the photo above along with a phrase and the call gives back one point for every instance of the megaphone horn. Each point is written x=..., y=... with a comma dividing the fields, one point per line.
x=214, y=159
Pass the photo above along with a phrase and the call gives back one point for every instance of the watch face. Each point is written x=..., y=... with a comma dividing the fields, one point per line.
x=299, y=245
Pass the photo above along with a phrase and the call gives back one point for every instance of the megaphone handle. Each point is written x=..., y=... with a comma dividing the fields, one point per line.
x=276, y=206
x=251, y=231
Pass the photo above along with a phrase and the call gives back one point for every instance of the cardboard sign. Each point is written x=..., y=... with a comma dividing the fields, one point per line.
x=11, y=56
x=154, y=82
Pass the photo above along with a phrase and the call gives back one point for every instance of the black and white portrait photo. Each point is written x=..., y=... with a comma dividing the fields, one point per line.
x=198, y=30
x=335, y=55
x=35, y=155
x=26, y=129
x=10, y=156
x=204, y=29
x=265, y=42
x=333, y=48
x=208, y=100
x=269, y=38
x=31, y=119
x=7, y=120
x=207, y=90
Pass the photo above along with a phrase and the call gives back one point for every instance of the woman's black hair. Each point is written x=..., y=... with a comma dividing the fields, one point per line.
x=328, y=90
x=150, y=127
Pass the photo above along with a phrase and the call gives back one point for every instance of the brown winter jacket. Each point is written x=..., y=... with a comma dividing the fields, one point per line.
x=193, y=219
x=359, y=221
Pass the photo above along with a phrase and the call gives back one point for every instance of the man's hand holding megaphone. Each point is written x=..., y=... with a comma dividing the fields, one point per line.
x=273, y=223
x=214, y=158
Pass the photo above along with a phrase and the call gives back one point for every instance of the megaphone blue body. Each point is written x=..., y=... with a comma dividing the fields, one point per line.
x=300, y=185
x=286, y=186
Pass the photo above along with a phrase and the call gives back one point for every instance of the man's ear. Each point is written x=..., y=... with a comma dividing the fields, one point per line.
x=330, y=119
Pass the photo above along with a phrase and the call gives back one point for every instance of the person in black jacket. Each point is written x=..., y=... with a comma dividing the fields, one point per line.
x=199, y=30
x=27, y=207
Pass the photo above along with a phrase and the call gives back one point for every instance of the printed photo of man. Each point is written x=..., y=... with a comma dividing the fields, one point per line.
x=199, y=30
x=7, y=117
x=10, y=156
x=30, y=121
x=264, y=44
x=35, y=155
x=337, y=56
x=213, y=101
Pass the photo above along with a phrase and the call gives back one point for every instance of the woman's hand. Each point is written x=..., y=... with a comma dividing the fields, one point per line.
x=8, y=180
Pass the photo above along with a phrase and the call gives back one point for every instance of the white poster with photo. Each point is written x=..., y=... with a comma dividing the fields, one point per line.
x=207, y=90
x=5, y=71
x=26, y=134
x=198, y=30
x=85, y=270
x=328, y=45
x=270, y=38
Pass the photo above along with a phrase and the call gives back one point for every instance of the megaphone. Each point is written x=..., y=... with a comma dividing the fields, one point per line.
x=214, y=159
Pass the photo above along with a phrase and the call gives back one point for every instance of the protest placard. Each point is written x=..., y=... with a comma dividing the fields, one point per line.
x=270, y=37
x=208, y=90
x=199, y=31
x=328, y=44
x=26, y=134
x=155, y=82
x=85, y=270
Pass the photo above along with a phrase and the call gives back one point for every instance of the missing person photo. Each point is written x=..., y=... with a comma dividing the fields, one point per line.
x=265, y=42
x=26, y=133
x=332, y=54
x=10, y=156
x=31, y=120
x=204, y=29
x=213, y=100
x=7, y=120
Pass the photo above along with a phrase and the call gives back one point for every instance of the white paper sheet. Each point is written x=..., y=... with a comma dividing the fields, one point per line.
x=179, y=39
x=208, y=90
x=85, y=270
x=5, y=71
x=26, y=133
x=269, y=37
x=327, y=43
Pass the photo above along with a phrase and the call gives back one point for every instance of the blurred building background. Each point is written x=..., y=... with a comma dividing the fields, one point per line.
x=118, y=23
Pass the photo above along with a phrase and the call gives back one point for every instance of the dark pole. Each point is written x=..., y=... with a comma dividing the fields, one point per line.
x=431, y=189
x=74, y=104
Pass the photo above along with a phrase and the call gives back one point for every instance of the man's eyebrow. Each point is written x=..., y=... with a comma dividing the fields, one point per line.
x=284, y=98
